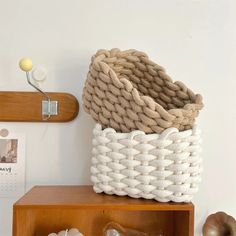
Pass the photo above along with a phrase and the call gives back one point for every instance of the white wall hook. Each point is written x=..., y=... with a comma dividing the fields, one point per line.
x=49, y=107
x=39, y=74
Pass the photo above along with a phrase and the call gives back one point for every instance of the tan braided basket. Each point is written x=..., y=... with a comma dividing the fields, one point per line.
x=126, y=91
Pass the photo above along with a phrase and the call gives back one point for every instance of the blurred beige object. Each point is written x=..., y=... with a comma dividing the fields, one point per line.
x=219, y=224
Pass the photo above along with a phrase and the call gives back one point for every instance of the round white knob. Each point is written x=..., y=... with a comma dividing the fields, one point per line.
x=39, y=74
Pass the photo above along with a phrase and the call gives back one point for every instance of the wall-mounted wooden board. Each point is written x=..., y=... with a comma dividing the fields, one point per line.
x=27, y=107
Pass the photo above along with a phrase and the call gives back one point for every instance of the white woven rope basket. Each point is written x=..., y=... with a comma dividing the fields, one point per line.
x=165, y=167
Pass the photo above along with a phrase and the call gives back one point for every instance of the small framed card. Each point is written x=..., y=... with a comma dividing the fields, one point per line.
x=12, y=163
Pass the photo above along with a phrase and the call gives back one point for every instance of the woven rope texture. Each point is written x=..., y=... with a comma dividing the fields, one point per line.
x=165, y=167
x=126, y=91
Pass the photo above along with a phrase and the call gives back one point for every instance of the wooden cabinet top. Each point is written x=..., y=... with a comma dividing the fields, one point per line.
x=84, y=197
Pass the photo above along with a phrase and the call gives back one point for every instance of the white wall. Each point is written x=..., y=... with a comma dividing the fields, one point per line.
x=193, y=39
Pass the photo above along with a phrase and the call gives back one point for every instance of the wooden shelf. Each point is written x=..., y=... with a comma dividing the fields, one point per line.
x=46, y=209
x=27, y=107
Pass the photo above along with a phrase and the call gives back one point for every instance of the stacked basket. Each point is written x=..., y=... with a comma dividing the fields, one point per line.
x=146, y=143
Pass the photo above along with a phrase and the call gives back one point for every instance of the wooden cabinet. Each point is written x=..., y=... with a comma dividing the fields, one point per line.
x=46, y=209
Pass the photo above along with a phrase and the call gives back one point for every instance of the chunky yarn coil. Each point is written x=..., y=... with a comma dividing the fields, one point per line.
x=126, y=91
x=165, y=167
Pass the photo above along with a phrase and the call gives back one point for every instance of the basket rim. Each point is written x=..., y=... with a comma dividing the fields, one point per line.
x=163, y=135
x=98, y=58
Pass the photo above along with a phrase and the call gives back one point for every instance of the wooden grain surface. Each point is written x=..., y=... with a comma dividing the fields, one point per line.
x=27, y=107
x=46, y=209
x=91, y=222
x=85, y=197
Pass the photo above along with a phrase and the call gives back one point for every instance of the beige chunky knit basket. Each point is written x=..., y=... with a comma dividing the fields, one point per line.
x=126, y=91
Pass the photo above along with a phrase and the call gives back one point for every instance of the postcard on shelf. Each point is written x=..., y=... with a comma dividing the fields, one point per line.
x=12, y=163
